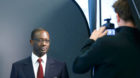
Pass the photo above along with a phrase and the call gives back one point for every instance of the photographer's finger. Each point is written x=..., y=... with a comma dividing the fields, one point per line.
x=102, y=29
x=104, y=33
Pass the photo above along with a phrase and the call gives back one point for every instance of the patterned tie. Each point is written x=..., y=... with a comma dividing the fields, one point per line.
x=40, y=69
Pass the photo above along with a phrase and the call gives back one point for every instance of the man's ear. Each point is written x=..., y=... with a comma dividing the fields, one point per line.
x=118, y=18
x=31, y=42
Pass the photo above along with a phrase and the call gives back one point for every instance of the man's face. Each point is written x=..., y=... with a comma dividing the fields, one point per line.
x=40, y=43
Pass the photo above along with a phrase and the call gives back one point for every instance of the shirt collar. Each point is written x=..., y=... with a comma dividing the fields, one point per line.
x=35, y=58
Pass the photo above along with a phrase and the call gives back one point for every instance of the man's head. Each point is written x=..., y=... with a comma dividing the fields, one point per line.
x=40, y=41
x=123, y=12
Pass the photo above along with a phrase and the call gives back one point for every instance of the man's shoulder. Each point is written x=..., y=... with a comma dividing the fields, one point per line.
x=23, y=61
x=107, y=38
x=55, y=61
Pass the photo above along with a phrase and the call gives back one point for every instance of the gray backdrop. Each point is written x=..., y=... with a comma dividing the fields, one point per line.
x=62, y=18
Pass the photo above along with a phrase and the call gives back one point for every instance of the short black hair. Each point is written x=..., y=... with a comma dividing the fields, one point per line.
x=36, y=30
x=123, y=9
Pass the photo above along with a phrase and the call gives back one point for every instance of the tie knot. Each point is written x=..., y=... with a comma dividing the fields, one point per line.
x=39, y=60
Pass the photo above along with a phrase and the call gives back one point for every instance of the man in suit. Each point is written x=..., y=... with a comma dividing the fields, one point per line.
x=113, y=56
x=39, y=65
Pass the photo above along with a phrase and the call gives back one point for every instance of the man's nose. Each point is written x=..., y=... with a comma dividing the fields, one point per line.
x=44, y=43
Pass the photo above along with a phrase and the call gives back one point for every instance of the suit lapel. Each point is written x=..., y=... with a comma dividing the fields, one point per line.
x=49, y=68
x=28, y=68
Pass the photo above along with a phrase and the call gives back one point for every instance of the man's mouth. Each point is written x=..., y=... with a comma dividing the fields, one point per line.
x=43, y=49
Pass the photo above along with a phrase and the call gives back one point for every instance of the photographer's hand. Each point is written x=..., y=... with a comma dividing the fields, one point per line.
x=98, y=33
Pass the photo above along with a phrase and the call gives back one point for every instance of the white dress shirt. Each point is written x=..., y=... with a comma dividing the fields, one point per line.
x=36, y=64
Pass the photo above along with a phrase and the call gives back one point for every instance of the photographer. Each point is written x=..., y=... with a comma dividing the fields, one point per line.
x=113, y=56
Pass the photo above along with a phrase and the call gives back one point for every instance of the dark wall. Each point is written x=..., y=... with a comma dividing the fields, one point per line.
x=62, y=18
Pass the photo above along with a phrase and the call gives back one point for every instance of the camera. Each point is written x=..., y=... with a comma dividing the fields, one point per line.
x=109, y=27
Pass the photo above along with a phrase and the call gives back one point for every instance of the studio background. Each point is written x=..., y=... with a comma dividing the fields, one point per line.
x=62, y=18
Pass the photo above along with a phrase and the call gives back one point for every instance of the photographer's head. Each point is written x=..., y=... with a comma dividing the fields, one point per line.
x=123, y=13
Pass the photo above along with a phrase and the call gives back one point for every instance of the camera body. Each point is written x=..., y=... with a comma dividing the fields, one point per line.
x=109, y=27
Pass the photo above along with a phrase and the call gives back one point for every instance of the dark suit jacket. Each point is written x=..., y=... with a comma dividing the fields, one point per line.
x=24, y=69
x=112, y=56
